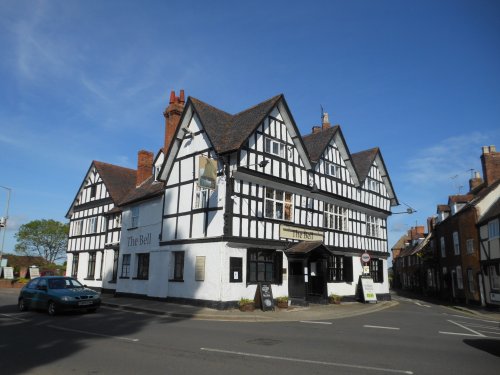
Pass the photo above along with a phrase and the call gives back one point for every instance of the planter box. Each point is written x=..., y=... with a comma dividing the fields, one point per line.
x=247, y=307
x=282, y=305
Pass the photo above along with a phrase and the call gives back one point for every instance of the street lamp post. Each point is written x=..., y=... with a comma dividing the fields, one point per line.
x=3, y=220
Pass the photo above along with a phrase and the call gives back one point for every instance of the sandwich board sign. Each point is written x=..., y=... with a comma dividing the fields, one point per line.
x=369, y=294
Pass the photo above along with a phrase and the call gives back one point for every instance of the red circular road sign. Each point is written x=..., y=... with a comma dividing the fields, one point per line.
x=365, y=257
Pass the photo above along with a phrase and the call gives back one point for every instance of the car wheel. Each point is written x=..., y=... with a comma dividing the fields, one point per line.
x=51, y=308
x=22, y=305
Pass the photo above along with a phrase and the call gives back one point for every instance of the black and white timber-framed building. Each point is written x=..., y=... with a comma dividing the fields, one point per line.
x=95, y=224
x=247, y=199
x=275, y=207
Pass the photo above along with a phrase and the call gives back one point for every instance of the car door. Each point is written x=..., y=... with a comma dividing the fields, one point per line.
x=28, y=293
x=40, y=297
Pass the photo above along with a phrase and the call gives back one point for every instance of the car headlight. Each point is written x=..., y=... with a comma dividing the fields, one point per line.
x=66, y=298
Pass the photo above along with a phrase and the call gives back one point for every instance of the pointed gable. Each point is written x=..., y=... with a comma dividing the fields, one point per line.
x=118, y=181
x=228, y=132
x=317, y=143
x=363, y=162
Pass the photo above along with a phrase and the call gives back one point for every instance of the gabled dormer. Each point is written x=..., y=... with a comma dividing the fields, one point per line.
x=373, y=175
x=457, y=202
x=442, y=211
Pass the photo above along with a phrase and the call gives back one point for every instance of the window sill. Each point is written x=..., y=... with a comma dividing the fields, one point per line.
x=132, y=228
x=124, y=277
x=176, y=281
x=89, y=278
x=140, y=278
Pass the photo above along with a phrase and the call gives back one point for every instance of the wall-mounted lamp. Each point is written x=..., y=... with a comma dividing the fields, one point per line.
x=261, y=164
x=408, y=211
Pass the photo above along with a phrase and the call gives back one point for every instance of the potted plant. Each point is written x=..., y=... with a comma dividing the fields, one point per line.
x=246, y=304
x=335, y=298
x=282, y=302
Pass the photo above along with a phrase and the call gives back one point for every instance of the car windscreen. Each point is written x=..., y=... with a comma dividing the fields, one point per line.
x=63, y=283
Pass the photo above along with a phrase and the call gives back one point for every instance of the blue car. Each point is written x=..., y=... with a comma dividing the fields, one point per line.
x=57, y=294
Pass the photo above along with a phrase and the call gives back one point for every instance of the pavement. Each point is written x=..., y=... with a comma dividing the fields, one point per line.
x=294, y=313
x=312, y=312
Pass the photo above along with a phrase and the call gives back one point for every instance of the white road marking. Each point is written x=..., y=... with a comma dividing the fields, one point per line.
x=14, y=317
x=380, y=327
x=477, y=334
x=314, y=322
x=92, y=333
x=469, y=317
x=289, y=359
x=422, y=304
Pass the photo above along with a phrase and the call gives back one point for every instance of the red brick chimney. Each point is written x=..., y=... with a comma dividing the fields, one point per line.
x=475, y=181
x=316, y=129
x=325, y=122
x=172, y=117
x=490, y=160
x=144, y=166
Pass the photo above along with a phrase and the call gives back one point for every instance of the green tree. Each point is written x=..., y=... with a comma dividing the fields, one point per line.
x=45, y=238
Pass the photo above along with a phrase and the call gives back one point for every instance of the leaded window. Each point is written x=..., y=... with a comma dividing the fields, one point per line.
x=278, y=205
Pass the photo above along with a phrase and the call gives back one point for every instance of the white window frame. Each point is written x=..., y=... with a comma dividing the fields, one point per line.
x=373, y=185
x=274, y=147
x=470, y=281
x=456, y=244
x=92, y=225
x=460, y=279
x=494, y=278
x=274, y=201
x=335, y=217
x=470, y=246
x=493, y=229
x=443, y=247
x=372, y=226
x=134, y=217
x=332, y=169
x=78, y=228
x=201, y=197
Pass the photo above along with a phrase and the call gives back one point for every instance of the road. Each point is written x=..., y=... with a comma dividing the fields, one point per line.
x=411, y=338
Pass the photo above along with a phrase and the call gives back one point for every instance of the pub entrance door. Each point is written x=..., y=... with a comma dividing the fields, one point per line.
x=307, y=265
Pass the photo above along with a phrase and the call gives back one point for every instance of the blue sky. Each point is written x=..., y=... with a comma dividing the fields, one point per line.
x=89, y=80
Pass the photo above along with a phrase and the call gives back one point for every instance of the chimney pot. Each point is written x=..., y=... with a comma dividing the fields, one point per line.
x=326, y=122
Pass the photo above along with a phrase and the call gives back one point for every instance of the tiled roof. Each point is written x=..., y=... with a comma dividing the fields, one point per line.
x=148, y=189
x=228, y=132
x=460, y=198
x=304, y=247
x=363, y=161
x=118, y=180
x=443, y=208
x=316, y=143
